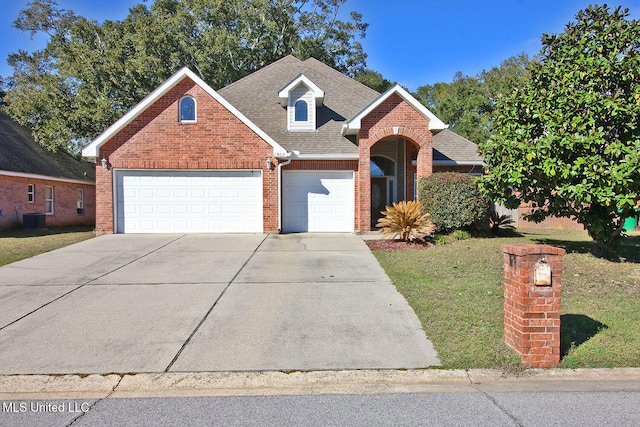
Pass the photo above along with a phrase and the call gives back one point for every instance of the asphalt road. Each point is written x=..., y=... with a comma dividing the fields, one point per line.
x=619, y=408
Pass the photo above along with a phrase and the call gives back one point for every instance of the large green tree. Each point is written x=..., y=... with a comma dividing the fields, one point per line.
x=90, y=73
x=568, y=141
x=374, y=80
x=468, y=102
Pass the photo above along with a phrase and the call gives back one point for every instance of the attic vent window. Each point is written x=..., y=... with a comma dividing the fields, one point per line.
x=188, y=109
x=302, y=111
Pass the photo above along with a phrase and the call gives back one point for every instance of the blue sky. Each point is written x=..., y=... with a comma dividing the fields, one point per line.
x=413, y=42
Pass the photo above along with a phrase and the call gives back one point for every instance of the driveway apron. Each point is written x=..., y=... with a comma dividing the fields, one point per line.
x=158, y=303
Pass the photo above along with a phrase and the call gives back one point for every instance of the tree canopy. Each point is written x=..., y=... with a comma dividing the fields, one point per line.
x=374, y=80
x=468, y=102
x=90, y=73
x=568, y=141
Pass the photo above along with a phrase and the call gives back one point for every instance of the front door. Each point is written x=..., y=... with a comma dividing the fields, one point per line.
x=378, y=198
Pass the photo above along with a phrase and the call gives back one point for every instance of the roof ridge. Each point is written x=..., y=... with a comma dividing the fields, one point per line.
x=330, y=70
x=288, y=58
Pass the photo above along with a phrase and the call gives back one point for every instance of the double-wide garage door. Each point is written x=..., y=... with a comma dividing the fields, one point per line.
x=188, y=201
x=318, y=201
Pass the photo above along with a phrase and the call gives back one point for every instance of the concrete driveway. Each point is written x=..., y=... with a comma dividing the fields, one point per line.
x=165, y=303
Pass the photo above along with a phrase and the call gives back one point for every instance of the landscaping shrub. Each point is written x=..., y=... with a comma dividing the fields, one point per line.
x=406, y=221
x=460, y=235
x=440, y=239
x=453, y=200
x=498, y=222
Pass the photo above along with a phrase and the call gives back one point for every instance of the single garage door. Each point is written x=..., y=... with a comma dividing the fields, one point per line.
x=318, y=201
x=188, y=201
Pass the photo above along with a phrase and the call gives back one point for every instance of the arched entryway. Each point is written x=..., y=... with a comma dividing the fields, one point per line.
x=392, y=170
x=383, y=185
x=399, y=121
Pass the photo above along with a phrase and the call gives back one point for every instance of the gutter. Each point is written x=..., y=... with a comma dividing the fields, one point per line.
x=354, y=156
x=46, y=177
x=456, y=163
x=289, y=156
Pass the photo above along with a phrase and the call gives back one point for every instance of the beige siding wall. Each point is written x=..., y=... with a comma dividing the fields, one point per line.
x=301, y=92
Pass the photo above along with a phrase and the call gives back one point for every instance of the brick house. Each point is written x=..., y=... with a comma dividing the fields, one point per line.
x=36, y=180
x=296, y=146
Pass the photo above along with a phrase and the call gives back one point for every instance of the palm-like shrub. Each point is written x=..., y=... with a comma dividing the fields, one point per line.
x=405, y=220
x=498, y=222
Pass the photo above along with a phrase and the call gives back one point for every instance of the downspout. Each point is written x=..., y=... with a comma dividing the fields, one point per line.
x=290, y=156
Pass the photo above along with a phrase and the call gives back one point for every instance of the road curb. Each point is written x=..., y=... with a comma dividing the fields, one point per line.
x=174, y=384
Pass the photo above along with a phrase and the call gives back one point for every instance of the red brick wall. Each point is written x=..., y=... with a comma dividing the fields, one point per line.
x=393, y=117
x=13, y=191
x=532, y=312
x=329, y=165
x=158, y=140
x=553, y=223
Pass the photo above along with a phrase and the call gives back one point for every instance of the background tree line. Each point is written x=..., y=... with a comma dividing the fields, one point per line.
x=89, y=73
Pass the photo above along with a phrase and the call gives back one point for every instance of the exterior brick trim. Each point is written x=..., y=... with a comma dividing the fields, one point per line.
x=393, y=117
x=532, y=312
x=156, y=139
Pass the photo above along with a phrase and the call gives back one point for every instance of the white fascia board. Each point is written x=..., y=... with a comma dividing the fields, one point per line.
x=46, y=177
x=353, y=156
x=458, y=163
x=318, y=93
x=352, y=127
x=92, y=150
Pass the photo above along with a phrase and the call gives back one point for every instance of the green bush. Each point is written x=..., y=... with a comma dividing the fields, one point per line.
x=460, y=235
x=453, y=200
x=440, y=239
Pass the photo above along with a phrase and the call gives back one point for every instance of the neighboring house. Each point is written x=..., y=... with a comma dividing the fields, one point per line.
x=36, y=180
x=296, y=146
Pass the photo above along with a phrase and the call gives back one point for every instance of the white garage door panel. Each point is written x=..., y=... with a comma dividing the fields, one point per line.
x=318, y=201
x=189, y=201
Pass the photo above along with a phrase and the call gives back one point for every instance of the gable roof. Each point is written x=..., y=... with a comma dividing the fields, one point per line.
x=318, y=94
x=352, y=127
x=449, y=148
x=92, y=150
x=257, y=97
x=21, y=155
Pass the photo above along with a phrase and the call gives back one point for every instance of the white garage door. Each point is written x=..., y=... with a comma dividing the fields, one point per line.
x=188, y=201
x=318, y=201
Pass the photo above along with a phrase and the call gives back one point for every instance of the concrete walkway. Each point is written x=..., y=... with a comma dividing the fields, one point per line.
x=189, y=303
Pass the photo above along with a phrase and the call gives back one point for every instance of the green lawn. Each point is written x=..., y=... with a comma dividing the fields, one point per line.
x=457, y=292
x=19, y=244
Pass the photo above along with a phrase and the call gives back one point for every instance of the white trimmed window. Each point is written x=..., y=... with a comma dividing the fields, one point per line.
x=302, y=98
x=31, y=193
x=301, y=111
x=48, y=199
x=187, y=107
x=80, y=200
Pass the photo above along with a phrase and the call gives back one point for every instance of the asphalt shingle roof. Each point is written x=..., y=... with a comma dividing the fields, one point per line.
x=256, y=96
x=20, y=153
x=448, y=145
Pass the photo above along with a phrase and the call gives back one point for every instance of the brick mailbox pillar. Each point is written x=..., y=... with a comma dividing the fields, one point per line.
x=532, y=284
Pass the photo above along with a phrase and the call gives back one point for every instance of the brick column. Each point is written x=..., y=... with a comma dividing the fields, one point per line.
x=532, y=306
